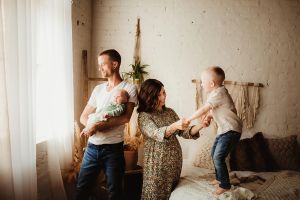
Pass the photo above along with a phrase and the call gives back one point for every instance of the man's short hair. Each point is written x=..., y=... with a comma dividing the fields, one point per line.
x=113, y=55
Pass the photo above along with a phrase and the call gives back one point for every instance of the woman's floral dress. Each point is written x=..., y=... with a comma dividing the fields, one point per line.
x=162, y=156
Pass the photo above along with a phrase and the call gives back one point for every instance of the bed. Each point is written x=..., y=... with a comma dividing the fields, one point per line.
x=193, y=185
x=273, y=178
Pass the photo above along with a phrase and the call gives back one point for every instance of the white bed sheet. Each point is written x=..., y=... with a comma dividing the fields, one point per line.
x=193, y=187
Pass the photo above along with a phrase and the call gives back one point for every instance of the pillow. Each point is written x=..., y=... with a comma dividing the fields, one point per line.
x=284, y=152
x=251, y=154
x=202, y=156
x=239, y=160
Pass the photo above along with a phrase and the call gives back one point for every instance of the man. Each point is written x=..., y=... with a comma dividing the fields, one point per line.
x=105, y=143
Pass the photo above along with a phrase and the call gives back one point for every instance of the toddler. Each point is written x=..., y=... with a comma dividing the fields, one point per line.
x=220, y=107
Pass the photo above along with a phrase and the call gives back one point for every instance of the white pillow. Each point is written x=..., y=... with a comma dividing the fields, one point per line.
x=202, y=155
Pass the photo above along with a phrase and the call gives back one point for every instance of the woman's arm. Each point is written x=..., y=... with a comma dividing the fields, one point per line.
x=193, y=131
x=178, y=125
x=205, y=122
x=150, y=129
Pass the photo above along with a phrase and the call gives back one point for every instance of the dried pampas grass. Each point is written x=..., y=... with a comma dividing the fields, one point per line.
x=78, y=151
x=132, y=143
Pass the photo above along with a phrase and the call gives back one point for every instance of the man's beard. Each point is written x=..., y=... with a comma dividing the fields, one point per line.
x=106, y=74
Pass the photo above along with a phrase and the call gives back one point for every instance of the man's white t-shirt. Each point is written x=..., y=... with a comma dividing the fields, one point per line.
x=99, y=99
x=223, y=111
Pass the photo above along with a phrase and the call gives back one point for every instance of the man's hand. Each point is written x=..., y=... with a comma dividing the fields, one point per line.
x=89, y=131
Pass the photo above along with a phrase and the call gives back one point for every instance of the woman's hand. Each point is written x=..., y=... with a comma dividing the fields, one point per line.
x=178, y=125
x=182, y=124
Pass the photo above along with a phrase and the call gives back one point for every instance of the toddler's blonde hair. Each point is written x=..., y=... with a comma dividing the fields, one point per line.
x=217, y=74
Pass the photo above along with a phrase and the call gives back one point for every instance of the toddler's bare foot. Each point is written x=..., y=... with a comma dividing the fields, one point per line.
x=220, y=190
x=214, y=182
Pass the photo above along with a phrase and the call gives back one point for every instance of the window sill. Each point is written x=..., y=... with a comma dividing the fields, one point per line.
x=41, y=140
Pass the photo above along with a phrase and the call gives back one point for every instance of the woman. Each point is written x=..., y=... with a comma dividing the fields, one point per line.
x=162, y=151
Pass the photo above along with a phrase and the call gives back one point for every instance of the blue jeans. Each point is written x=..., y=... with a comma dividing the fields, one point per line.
x=223, y=145
x=110, y=157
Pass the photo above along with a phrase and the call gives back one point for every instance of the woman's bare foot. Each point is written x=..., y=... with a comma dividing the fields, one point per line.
x=214, y=182
x=220, y=190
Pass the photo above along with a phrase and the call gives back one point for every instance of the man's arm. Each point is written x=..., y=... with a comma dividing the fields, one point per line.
x=119, y=120
x=85, y=114
x=200, y=112
x=111, y=122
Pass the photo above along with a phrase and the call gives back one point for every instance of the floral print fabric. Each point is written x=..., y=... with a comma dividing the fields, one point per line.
x=162, y=156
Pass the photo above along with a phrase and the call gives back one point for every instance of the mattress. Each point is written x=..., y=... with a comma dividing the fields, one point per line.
x=193, y=185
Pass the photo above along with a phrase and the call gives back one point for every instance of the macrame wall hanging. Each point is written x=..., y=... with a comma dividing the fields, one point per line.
x=245, y=96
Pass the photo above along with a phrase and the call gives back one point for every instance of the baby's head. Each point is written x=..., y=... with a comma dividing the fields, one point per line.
x=121, y=97
x=212, y=78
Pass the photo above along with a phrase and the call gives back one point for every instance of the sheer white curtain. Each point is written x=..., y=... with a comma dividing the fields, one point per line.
x=55, y=88
x=6, y=188
x=17, y=140
x=36, y=93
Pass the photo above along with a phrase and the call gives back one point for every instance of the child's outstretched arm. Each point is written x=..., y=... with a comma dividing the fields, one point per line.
x=200, y=112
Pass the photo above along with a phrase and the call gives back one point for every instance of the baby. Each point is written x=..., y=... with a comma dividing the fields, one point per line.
x=113, y=109
x=220, y=107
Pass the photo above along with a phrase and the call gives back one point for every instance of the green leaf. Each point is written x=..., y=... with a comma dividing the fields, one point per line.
x=138, y=71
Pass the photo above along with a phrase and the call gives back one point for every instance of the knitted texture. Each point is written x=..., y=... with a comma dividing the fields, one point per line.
x=285, y=186
x=284, y=152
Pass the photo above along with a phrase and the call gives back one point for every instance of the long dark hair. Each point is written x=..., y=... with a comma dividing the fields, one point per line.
x=148, y=95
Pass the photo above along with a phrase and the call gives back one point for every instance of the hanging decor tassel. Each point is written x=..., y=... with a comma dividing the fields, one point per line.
x=137, y=48
x=252, y=107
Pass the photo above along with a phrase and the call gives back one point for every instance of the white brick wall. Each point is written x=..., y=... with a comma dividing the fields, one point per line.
x=81, y=24
x=255, y=41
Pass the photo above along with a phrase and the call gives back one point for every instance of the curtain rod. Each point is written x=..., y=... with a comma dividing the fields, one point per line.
x=235, y=83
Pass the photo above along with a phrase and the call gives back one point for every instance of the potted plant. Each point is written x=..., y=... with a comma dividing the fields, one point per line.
x=136, y=75
x=131, y=145
x=132, y=136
